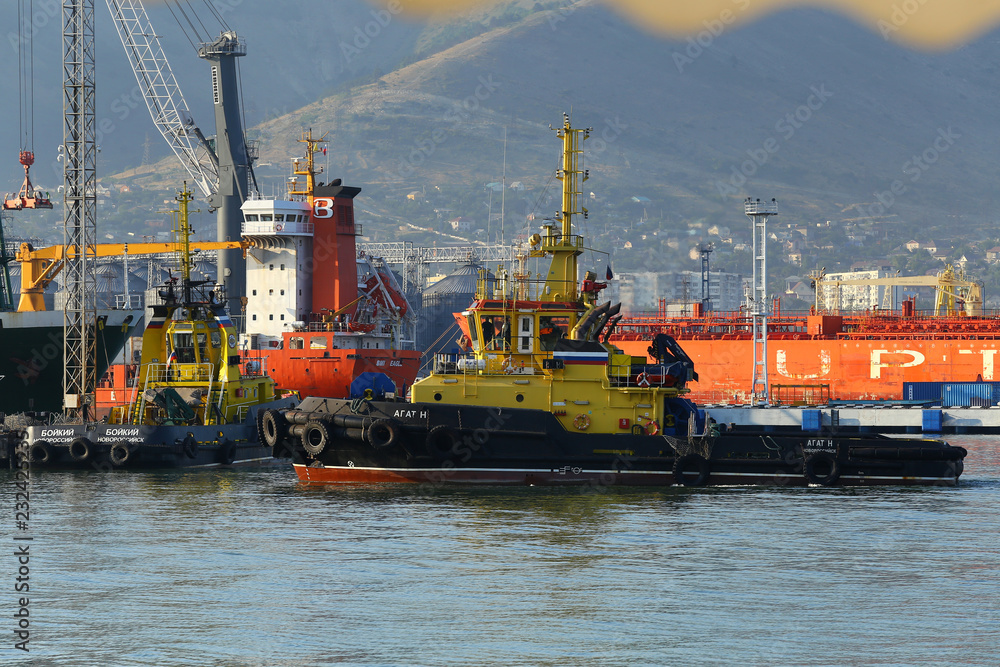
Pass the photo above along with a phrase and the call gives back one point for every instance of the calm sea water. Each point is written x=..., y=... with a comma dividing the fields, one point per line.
x=250, y=568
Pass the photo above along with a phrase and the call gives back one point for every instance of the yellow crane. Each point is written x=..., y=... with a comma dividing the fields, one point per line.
x=40, y=267
x=950, y=287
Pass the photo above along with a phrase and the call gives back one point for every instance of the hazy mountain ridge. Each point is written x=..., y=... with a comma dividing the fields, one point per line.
x=802, y=105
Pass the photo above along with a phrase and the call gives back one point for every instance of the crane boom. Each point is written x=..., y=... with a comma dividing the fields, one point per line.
x=163, y=96
x=40, y=267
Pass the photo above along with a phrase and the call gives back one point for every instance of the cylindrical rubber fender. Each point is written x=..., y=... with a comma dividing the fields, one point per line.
x=41, y=453
x=227, y=452
x=302, y=417
x=190, y=447
x=354, y=433
x=441, y=441
x=692, y=470
x=315, y=437
x=383, y=434
x=81, y=449
x=274, y=427
x=822, y=468
x=350, y=421
x=120, y=454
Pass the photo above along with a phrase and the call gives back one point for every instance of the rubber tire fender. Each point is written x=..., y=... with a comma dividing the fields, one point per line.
x=441, y=441
x=81, y=449
x=41, y=453
x=120, y=454
x=685, y=477
x=383, y=434
x=314, y=446
x=273, y=427
x=190, y=447
x=227, y=452
x=825, y=458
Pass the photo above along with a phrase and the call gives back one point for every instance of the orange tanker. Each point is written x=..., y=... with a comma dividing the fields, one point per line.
x=814, y=358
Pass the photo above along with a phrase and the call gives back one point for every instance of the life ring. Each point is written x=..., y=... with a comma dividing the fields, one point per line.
x=41, y=453
x=273, y=427
x=190, y=447
x=683, y=474
x=581, y=421
x=278, y=227
x=383, y=434
x=315, y=437
x=652, y=427
x=669, y=421
x=120, y=454
x=508, y=366
x=80, y=449
x=825, y=461
x=441, y=441
x=227, y=452
x=642, y=380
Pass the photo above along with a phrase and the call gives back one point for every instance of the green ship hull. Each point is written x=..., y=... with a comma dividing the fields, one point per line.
x=31, y=356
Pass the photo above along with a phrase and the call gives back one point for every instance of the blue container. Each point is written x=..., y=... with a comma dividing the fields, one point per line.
x=922, y=391
x=931, y=421
x=812, y=420
x=967, y=394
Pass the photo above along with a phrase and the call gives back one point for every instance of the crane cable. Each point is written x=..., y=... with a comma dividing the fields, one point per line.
x=25, y=75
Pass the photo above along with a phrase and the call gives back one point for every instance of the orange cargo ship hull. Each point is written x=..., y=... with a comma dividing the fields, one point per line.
x=852, y=368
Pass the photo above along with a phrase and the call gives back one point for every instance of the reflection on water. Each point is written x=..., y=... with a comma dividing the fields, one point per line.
x=249, y=567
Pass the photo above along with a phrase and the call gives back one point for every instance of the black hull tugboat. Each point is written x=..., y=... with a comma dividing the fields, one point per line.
x=542, y=398
x=193, y=401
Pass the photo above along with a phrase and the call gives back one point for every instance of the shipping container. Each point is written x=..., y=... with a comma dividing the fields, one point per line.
x=922, y=391
x=966, y=394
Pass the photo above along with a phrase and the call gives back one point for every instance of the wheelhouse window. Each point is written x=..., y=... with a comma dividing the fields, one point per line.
x=183, y=343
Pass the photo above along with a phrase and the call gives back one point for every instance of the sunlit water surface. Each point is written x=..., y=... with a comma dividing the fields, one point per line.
x=231, y=567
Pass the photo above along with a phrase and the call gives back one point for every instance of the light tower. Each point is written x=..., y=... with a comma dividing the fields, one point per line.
x=705, y=249
x=758, y=212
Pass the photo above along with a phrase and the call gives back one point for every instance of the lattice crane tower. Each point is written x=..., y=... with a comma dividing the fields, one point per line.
x=79, y=207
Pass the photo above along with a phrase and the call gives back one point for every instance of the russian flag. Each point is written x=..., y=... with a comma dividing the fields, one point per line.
x=171, y=359
x=586, y=358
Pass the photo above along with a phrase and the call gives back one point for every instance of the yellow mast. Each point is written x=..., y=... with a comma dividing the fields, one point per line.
x=563, y=245
x=308, y=169
x=183, y=232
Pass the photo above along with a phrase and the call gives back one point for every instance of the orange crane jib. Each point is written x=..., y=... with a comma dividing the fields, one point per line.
x=28, y=197
x=40, y=267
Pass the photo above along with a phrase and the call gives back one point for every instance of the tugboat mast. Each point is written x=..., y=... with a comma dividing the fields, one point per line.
x=183, y=238
x=564, y=246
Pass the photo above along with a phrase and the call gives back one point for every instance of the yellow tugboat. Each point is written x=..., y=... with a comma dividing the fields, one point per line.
x=192, y=403
x=541, y=397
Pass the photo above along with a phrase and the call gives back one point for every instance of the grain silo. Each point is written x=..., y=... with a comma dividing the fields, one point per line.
x=436, y=328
